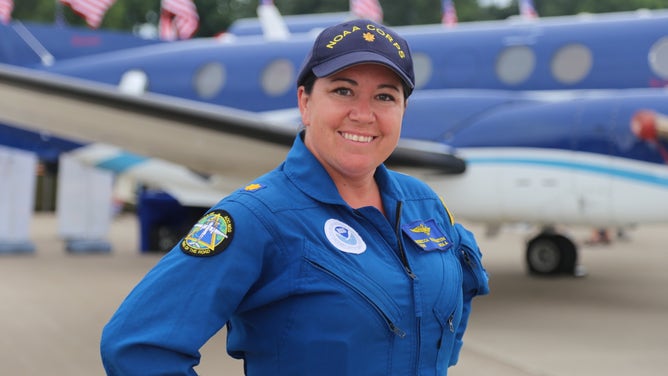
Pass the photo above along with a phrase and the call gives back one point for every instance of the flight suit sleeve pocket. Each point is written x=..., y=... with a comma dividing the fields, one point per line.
x=476, y=280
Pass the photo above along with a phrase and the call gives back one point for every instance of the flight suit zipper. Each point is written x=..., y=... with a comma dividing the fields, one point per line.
x=474, y=265
x=402, y=251
x=414, y=279
x=451, y=327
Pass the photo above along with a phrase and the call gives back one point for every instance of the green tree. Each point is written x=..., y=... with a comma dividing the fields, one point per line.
x=217, y=15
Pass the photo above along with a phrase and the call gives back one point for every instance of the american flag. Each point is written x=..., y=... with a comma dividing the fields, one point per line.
x=91, y=10
x=527, y=10
x=6, y=7
x=449, y=13
x=370, y=9
x=178, y=19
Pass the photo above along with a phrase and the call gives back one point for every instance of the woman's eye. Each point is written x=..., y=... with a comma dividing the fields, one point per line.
x=343, y=91
x=386, y=97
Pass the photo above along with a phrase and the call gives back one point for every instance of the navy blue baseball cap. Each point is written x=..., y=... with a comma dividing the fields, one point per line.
x=355, y=42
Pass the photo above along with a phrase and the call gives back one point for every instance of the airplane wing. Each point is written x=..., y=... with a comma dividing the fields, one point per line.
x=208, y=139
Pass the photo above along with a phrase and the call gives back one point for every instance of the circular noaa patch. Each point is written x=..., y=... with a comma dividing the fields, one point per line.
x=210, y=235
x=344, y=237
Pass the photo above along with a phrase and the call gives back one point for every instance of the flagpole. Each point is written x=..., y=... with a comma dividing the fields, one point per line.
x=59, y=16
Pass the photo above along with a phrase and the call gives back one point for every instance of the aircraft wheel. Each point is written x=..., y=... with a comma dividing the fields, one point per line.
x=550, y=254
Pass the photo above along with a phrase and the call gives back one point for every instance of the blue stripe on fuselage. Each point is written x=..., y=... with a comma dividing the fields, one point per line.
x=623, y=173
x=121, y=162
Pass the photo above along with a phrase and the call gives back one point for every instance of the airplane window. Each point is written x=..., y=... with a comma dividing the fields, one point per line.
x=209, y=80
x=515, y=64
x=571, y=63
x=423, y=69
x=278, y=77
x=658, y=57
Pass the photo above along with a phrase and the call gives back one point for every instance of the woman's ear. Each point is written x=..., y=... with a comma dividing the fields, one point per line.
x=303, y=102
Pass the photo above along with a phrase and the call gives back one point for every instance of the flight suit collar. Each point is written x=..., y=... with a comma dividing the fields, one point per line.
x=306, y=172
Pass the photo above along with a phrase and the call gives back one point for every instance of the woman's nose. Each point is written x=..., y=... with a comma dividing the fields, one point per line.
x=362, y=111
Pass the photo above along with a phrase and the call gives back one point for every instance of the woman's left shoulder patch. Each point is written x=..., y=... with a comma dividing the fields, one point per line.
x=210, y=235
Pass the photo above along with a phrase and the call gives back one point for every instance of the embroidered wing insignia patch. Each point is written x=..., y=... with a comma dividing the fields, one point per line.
x=427, y=235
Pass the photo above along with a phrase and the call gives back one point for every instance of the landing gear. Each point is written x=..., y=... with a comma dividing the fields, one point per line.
x=549, y=254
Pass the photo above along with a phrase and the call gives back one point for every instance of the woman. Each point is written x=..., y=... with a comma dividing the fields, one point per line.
x=329, y=265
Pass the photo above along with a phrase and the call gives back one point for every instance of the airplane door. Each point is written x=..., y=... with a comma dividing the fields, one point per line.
x=592, y=148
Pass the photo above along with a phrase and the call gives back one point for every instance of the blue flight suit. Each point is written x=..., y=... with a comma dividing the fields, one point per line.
x=306, y=284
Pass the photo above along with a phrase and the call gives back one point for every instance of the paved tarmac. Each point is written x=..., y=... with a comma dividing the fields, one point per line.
x=613, y=322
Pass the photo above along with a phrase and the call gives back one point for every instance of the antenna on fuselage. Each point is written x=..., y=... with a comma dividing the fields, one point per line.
x=34, y=44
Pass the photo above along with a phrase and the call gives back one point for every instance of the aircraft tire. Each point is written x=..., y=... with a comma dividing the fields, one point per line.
x=551, y=254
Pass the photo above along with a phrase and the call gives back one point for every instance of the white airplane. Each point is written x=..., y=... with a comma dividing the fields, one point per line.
x=592, y=158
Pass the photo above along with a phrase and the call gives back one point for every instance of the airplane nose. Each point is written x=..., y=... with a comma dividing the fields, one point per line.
x=649, y=126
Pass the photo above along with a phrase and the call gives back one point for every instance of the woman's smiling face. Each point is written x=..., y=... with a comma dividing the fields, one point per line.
x=353, y=119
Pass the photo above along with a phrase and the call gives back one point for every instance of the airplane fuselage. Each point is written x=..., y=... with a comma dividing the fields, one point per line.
x=573, y=161
x=627, y=50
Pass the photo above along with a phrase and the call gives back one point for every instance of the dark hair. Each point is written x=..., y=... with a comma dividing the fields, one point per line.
x=308, y=82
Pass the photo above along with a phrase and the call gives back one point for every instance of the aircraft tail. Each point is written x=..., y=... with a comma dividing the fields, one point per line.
x=273, y=25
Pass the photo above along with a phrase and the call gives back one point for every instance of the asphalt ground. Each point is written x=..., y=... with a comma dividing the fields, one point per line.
x=614, y=321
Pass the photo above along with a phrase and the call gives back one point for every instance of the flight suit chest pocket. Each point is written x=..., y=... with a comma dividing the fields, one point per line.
x=349, y=279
